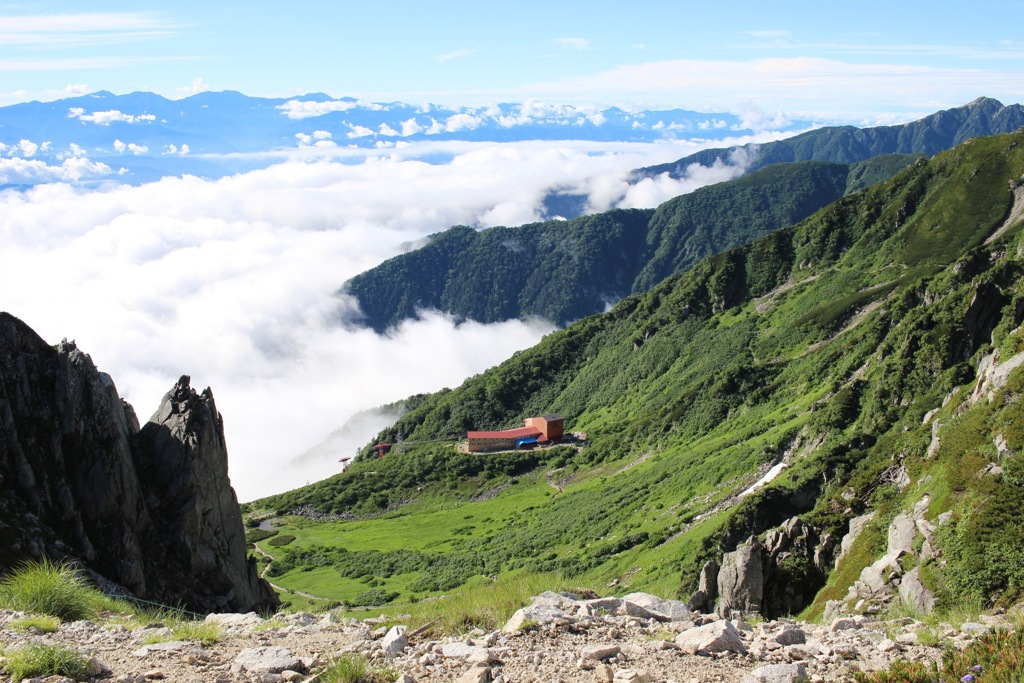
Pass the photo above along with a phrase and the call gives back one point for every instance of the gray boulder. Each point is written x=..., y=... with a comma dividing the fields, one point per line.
x=718, y=636
x=547, y=608
x=660, y=609
x=703, y=599
x=394, y=641
x=901, y=534
x=914, y=593
x=599, y=652
x=266, y=660
x=741, y=580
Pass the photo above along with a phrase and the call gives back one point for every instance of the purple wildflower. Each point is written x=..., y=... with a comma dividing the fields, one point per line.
x=969, y=678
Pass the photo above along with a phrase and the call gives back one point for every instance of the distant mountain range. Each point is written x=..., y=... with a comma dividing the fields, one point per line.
x=150, y=136
x=567, y=270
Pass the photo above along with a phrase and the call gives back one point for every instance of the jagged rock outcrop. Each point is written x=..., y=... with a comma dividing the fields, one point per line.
x=911, y=539
x=773, y=577
x=703, y=599
x=857, y=525
x=150, y=509
x=797, y=559
x=740, y=580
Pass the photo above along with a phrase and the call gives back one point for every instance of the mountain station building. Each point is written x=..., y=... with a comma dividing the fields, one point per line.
x=540, y=430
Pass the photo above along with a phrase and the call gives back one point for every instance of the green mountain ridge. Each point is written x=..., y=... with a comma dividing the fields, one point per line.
x=833, y=348
x=565, y=270
x=849, y=144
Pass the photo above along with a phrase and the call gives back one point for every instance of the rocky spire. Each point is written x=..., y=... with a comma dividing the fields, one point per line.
x=151, y=510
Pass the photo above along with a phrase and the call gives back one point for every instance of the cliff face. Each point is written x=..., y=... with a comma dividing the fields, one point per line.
x=151, y=509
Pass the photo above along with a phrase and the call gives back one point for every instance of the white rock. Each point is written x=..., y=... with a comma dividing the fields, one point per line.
x=664, y=610
x=267, y=659
x=476, y=674
x=599, y=652
x=857, y=525
x=394, y=641
x=776, y=673
x=631, y=676
x=246, y=620
x=914, y=593
x=718, y=636
x=466, y=652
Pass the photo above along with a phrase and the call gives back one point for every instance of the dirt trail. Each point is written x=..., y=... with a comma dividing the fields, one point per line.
x=263, y=575
x=1016, y=213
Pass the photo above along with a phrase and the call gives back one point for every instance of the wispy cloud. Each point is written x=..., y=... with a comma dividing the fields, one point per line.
x=573, y=43
x=86, y=28
x=796, y=83
x=999, y=50
x=82, y=63
x=774, y=34
x=455, y=54
x=69, y=64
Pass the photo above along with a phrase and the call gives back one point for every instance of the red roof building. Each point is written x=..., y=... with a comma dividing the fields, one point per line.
x=545, y=428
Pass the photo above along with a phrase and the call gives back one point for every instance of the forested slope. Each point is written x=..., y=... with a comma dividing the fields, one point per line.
x=564, y=270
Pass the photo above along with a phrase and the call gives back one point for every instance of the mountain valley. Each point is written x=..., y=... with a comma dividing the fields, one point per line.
x=866, y=355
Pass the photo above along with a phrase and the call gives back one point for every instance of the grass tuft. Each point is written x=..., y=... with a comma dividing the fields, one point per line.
x=996, y=657
x=352, y=668
x=47, y=588
x=482, y=603
x=37, y=622
x=37, y=660
x=203, y=632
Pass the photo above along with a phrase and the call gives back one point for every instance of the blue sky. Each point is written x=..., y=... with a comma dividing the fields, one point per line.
x=840, y=60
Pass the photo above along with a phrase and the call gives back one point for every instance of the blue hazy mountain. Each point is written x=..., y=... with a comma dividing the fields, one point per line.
x=142, y=136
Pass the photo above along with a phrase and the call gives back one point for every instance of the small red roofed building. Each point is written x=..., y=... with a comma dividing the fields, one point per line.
x=550, y=425
x=541, y=429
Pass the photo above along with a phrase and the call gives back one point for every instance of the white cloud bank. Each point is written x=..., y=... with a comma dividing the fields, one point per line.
x=105, y=118
x=233, y=282
x=304, y=109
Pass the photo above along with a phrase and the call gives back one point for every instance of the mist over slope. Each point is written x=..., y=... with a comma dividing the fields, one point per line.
x=565, y=270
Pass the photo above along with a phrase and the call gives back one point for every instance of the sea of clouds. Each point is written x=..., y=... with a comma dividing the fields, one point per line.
x=235, y=282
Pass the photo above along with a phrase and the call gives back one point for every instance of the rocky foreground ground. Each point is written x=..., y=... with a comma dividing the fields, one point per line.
x=557, y=638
